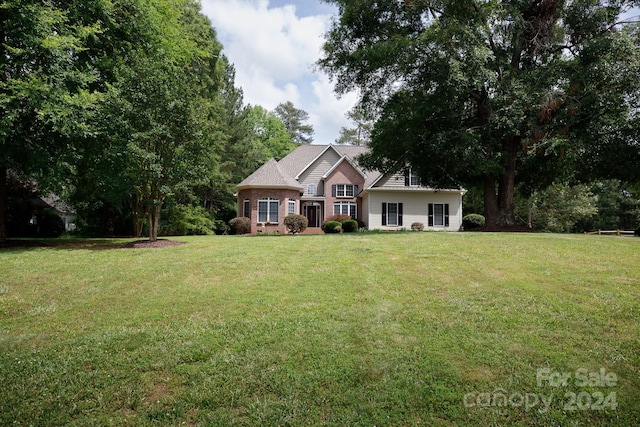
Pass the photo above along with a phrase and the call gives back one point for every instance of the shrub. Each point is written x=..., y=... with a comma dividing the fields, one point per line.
x=332, y=227
x=296, y=223
x=350, y=226
x=417, y=226
x=220, y=227
x=339, y=218
x=240, y=225
x=472, y=221
x=183, y=220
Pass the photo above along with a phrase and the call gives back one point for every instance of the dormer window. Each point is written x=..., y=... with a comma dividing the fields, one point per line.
x=410, y=180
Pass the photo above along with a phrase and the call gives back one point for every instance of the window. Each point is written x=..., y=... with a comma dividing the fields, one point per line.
x=344, y=190
x=246, y=212
x=392, y=214
x=438, y=215
x=410, y=180
x=268, y=210
x=312, y=190
x=292, y=207
x=345, y=208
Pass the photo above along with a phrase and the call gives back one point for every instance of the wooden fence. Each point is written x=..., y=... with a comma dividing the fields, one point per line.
x=613, y=232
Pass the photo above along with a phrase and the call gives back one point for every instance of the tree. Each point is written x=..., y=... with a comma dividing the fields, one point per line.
x=233, y=155
x=559, y=207
x=271, y=137
x=618, y=207
x=294, y=120
x=46, y=92
x=490, y=93
x=100, y=189
x=360, y=134
x=159, y=110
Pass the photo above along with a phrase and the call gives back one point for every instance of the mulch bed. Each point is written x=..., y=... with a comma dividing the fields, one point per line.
x=160, y=243
x=23, y=244
x=86, y=244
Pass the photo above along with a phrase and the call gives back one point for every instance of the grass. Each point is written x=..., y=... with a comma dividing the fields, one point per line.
x=366, y=329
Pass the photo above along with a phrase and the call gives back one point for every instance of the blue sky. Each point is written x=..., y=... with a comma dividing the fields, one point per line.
x=306, y=7
x=274, y=45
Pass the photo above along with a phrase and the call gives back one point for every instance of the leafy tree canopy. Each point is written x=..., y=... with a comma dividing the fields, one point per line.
x=160, y=108
x=47, y=92
x=492, y=93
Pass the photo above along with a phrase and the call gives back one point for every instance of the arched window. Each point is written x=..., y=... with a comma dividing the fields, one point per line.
x=312, y=190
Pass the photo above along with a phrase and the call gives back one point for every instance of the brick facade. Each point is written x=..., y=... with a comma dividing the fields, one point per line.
x=255, y=194
x=345, y=173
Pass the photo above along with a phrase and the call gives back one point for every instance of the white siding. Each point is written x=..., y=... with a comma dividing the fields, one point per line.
x=415, y=207
x=392, y=181
x=364, y=215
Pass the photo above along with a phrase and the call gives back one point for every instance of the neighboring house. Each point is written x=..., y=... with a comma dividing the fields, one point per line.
x=56, y=205
x=319, y=181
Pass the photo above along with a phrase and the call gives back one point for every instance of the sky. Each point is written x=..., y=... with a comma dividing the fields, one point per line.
x=274, y=45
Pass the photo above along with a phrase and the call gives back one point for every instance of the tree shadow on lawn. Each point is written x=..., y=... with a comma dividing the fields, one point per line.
x=89, y=244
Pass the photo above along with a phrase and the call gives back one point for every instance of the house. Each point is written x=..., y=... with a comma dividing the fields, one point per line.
x=319, y=181
x=56, y=206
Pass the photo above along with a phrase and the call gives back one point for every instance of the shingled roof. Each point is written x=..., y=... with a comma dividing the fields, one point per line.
x=283, y=174
x=302, y=157
x=270, y=175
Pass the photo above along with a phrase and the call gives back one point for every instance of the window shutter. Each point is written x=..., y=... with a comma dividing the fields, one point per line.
x=400, y=214
x=355, y=191
x=407, y=179
x=430, y=215
x=446, y=215
x=384, y=214
x=333, y=190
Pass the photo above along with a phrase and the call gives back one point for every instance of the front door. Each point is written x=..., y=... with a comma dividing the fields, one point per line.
x=313, y=215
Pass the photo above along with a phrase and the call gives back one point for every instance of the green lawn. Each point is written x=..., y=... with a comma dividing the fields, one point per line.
x=364, y=329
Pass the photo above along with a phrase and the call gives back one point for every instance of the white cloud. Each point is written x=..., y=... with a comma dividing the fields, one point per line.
x=328, y=111
x=274, y=51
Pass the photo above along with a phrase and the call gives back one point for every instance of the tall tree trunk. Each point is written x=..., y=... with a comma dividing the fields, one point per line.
x=137, y=210
x=3, y=204
x=154, y=219
x=507, y=187
x=491, y=212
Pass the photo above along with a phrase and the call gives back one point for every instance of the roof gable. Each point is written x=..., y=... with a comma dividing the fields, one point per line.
x=305, y=156
x=321, y=156
x=339, y=162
